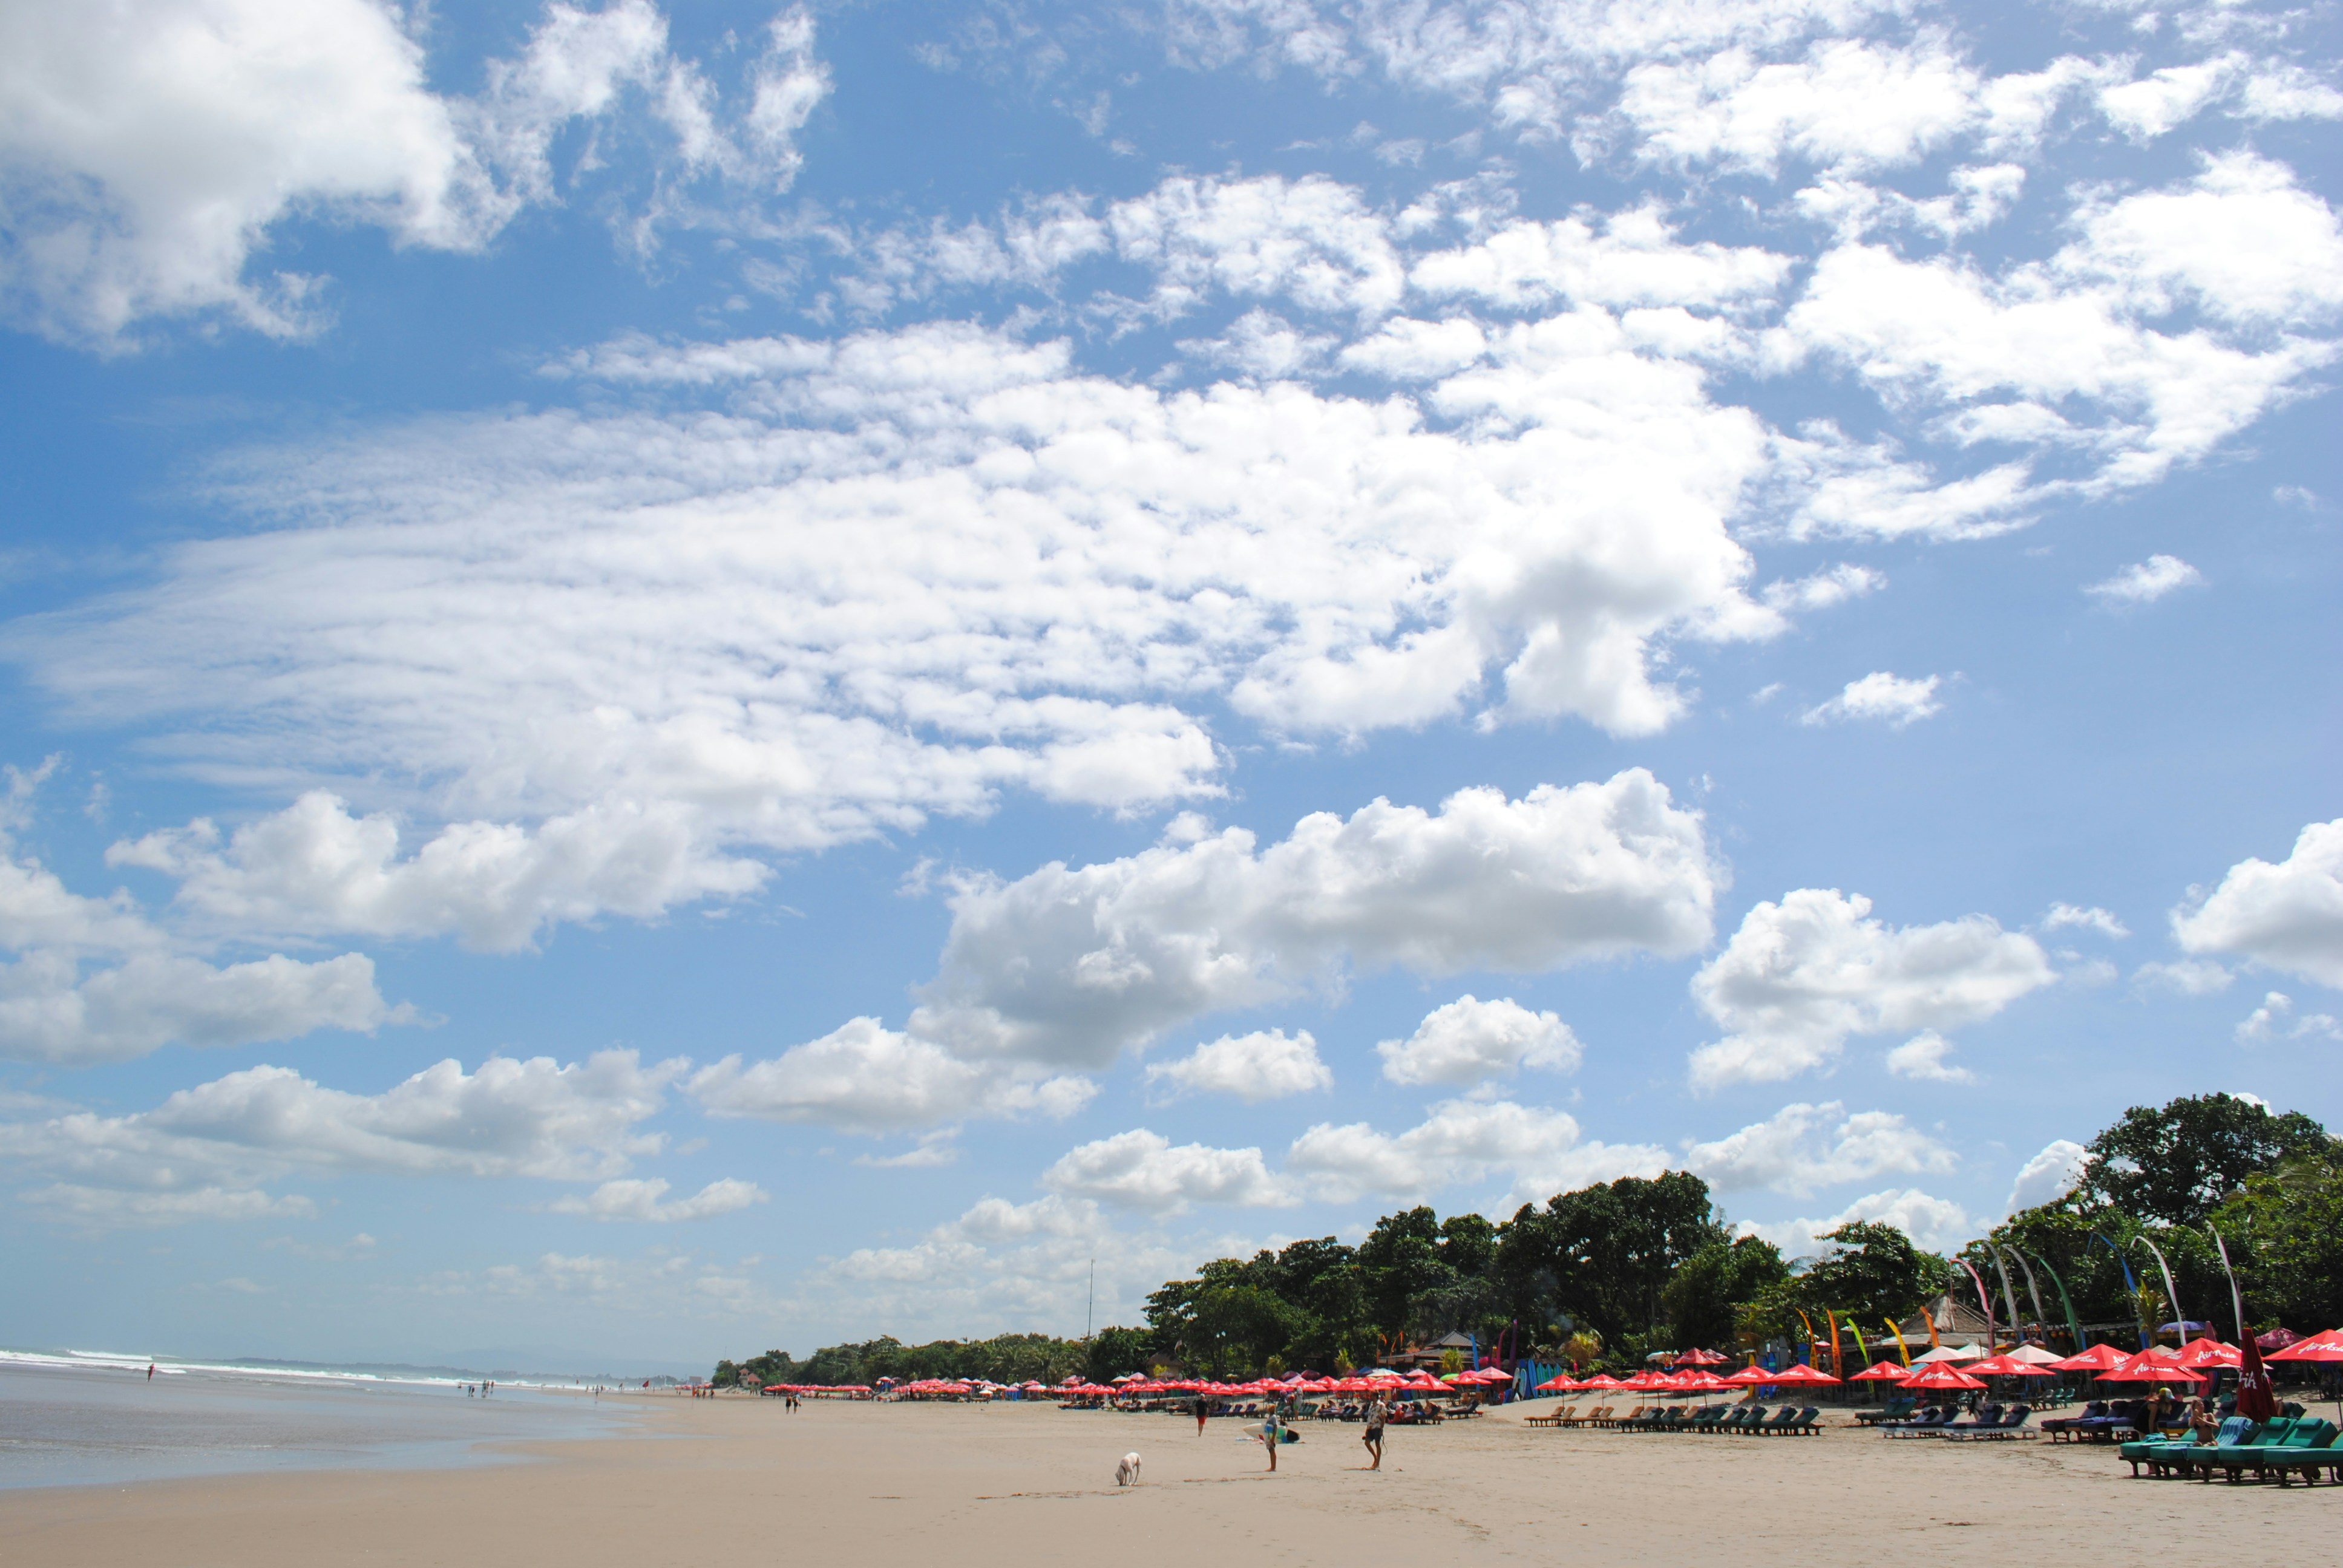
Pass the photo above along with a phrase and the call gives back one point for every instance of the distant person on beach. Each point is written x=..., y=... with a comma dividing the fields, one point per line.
x=150, y=1372
x=1269, y=1438
x=1199, y=1416
x=1377, y=1412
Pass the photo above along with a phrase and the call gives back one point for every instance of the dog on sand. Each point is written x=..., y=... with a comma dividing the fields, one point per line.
x=1127, y=1473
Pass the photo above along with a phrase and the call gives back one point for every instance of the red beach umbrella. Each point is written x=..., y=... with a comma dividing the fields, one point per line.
x=2204, y=1353
x=1751, y=1377
x=1602, y=1379
x=2149, y=1367
x=1700, y=1358
x=1560, y=1382
x=1940, y=1375
x=2323, y=1347
x=2007, y=1366
x=2098, y=1358
x=1802, y=1373
x=1882, y=1372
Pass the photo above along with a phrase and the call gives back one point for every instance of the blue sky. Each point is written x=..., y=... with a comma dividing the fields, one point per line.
x=685, y=681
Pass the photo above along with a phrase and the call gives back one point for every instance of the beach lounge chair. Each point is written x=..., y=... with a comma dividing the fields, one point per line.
x=1808, y=1424
x=2305, y=1446
x=2172, y=1458
x=1589, y=1419
x=1896, y=1409
x=1782, y=1421
x=1926, y=1423
x=1987, y=1415
x=2006, y=1425
x=1750, y=1416
x=1554, y=1418
x=2059, y=1427
x=1706, y=1420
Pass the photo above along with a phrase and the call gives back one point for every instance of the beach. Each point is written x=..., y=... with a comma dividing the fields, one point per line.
x=728, y=1480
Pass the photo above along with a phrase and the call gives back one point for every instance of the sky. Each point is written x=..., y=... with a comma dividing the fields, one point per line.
x=682, y=680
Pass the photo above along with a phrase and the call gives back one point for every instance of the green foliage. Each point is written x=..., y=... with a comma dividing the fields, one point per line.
x=1117, y=1351
x=2174, y=1165
x=1705, y=1296
x=1604, y=1252
x=1875, y=1274
x=2285, y=1231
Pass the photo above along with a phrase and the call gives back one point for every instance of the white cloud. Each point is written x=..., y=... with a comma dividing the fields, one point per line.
x=2145, y=109
x=1622, y=259
x=1833, y=585
x=2061, y=916
x=150, y=151
x=1801, y=1148
x=1849, y=104
x=51, y=1012
x=1538, y=1150
x=635, y=1199
x=1311, y=240
x=865, y=1077
x=629, y=649
x=313, y=867
x=2189, y=977
x=1892, y=699
x=2276, y=1019
x=2048, y=1176
x=1267, y=1064
x=93, y=979
x=1469, y=1040
x=1799, y=977
x=2144, y=582
x=1143, y=1169
x=1938, y=1225
x=1074, y=965
x=2289, y=916
x=1262, y=345
x=2278, y=91
x=107, y=1208
x=1923, y=1057
x=510, y=1118
x=2060, y=354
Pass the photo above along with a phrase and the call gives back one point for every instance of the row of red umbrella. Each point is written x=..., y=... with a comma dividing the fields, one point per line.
x=2187, y=1364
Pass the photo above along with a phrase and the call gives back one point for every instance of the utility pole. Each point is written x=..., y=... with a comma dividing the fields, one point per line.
x=1089, y=1312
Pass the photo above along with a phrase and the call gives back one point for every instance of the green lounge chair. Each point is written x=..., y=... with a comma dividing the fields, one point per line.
x=2275, y=1441
x=1706, y=1420
x=1752, y=1416
x=1782, y=1422
x=1896, y=1409
x=2171, y=1458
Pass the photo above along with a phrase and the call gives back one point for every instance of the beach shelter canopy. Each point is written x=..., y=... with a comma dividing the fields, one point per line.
x=1881, y=1371
x=1942, y=1376
x=2036, y=1354
x=1951, y=1353
x=2006, y=1366
x=2098, y=1358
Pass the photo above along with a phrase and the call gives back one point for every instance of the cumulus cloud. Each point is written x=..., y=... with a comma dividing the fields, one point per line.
x=1143, y=1169
x=94, y=979
x=635, y=1199
x=2048, y=1176
x=865, y=1077
x=1267, y=1064
x=2144, y=582
x=1073, y=966
x=2189, y=977
x=2091, y=918
x=1469, y=1040
x=1892, y=699
x=2276, y=1019
x=2289, y=916
x=1938, y=1224
x=1538, y=1152
x=1799, y=977
x=314, y=867
x=1924, y=1057
x=1802, y=1148
x=509, y=1118
x=150, y=152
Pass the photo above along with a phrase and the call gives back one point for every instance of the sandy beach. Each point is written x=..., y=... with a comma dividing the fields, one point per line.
x=731, y=1479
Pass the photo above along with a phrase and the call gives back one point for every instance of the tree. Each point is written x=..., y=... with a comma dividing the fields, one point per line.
x=1875, y=1274
x=1705, y=1296
x=1117, y=1351
x=2285, y=1231
x=2174, y=1165
x=1608, y=1249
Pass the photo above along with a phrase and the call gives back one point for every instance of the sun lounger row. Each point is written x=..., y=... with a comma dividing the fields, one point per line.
x=1991, y=1421
x=2279, y=1449
x=1741, y=1420
x=2100, y=1421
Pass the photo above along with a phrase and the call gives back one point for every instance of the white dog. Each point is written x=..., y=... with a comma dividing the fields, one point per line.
x=1127, y=1473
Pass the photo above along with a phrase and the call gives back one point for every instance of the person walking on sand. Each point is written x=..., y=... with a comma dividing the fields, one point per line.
x=1269, y=1436
x=1373, y=1437
x=1199, y=1416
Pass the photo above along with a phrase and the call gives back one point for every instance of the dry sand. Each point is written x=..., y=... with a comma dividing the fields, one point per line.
x=732, y=1481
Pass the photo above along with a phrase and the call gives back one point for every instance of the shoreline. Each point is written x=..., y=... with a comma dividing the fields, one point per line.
x=998, y=1483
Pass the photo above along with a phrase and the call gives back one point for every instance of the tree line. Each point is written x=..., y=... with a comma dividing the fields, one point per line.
x=1605, y=1275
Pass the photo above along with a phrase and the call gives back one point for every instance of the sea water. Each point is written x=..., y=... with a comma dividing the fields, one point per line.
x=80, y=1420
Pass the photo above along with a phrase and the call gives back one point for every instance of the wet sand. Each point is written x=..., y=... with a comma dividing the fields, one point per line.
x=735, y=1480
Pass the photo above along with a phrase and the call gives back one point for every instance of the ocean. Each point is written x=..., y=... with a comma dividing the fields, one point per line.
x=86, y=1418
